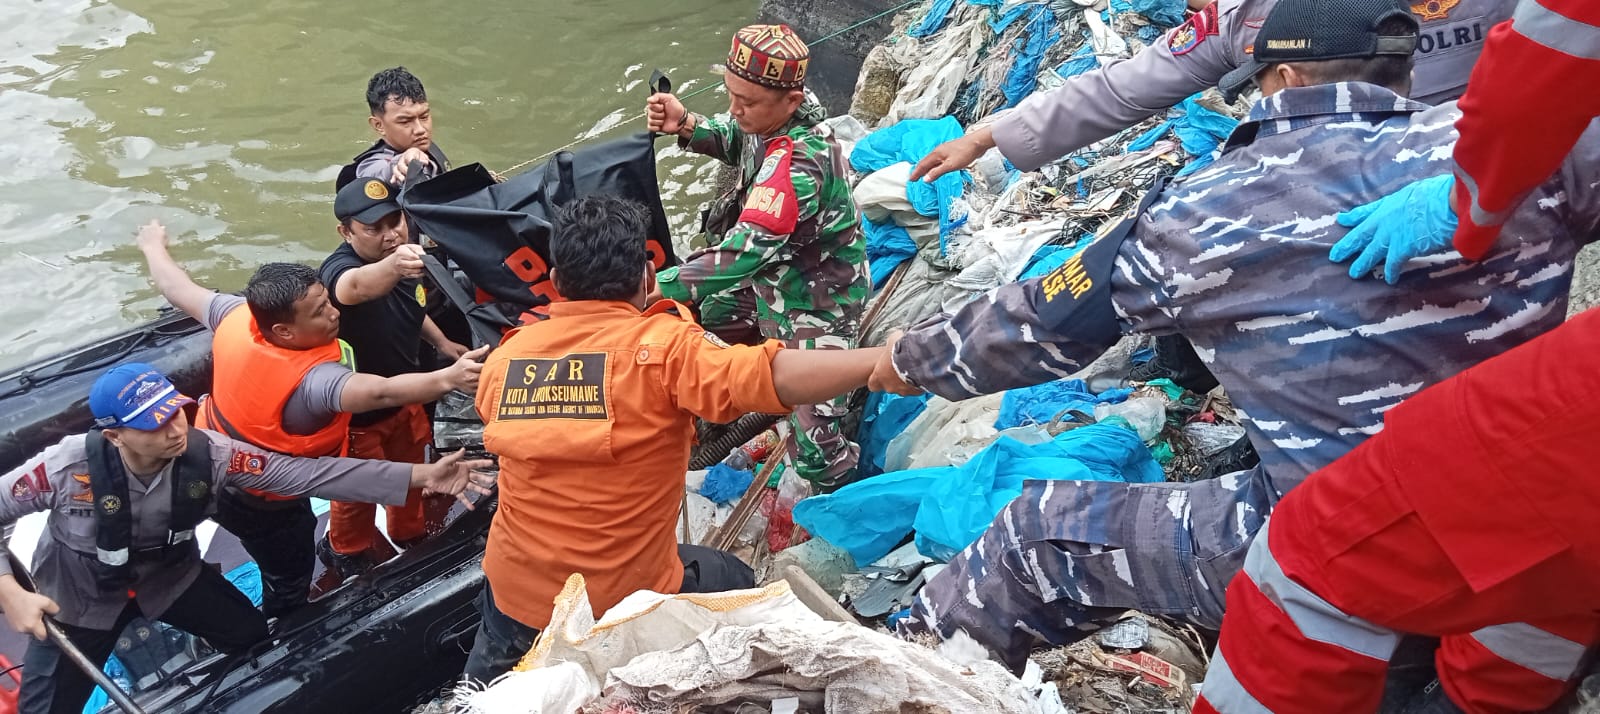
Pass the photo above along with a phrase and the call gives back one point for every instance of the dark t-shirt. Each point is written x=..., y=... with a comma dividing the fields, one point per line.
x=384, y=333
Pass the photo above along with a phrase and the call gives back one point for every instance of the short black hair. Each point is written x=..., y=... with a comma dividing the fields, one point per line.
x=597, y=245
x=274, y=289
x=1389, y=71
x=395, y=83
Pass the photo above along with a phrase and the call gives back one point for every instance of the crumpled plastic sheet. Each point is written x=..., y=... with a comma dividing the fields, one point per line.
x=829, y=666
x=895, y=229
x=996, y=255
x=1038, y=35
x=909, y=141
x=1199, y=130
x=934, y=21
x=949, y=507
x=884, y=417
x=937, y=68
x=1042, y=403
x=1166, y=13
x=724, y=484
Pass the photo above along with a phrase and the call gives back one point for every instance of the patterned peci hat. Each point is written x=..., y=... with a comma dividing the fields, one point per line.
x=769, y=55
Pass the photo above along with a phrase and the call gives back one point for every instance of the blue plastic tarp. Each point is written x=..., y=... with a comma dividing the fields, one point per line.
x=888, y=245
x=1166, y=13
x=885, y=417
x=1198, y=129
x=1041, y=403
x=938, y=14
x=949, y=507
x=1081, y=61
x=1038, y=36
x=911, y=140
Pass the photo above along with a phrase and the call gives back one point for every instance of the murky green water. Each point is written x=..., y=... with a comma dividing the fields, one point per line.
x=228, y=120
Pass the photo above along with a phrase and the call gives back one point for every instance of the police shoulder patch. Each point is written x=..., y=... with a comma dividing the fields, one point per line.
x=347, y=354
x=245, y=462
x=771, y=203
x=1186, y=37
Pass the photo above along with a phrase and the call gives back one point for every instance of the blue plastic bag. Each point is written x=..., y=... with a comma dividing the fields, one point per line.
x=888, y=245
x=949, y=507
x=885, y=417
x=911, y=140
x=1041, y=403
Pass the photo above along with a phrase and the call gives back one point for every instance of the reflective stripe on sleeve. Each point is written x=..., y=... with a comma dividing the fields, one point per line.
x=1527, y=646
x=1556, y=31
x=1316, y=618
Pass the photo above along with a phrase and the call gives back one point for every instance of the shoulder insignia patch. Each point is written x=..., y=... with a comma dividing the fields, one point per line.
x=1186, y=37
x=245, y=462
x=569, y=387
x=422, y=296
x=1432, y=10
x=32, y=484
x=771, y=202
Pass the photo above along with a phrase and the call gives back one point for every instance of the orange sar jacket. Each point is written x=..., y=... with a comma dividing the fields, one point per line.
x=592, y=415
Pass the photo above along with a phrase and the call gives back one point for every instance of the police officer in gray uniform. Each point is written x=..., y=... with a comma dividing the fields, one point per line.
x=1234, y=257
x=124, y=501
x=1193, y=56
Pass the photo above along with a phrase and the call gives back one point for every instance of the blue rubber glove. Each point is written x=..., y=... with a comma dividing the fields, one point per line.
x=1416, y=220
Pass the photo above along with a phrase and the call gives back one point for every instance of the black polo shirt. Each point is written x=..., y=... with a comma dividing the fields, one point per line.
x=385, y=333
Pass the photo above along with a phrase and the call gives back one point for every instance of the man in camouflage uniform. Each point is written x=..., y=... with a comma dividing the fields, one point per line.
x=789, y=260
x=1234, y=258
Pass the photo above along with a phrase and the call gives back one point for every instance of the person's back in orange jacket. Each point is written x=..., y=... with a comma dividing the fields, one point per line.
x=592, y=415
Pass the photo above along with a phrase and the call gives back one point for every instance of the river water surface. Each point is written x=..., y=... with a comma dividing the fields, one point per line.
x=228, y=120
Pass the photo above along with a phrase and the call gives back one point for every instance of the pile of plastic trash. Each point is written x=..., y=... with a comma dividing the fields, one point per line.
x=935, y=472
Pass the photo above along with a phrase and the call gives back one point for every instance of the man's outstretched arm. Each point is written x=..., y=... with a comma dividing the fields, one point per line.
x=169, y=278
x=816, y=376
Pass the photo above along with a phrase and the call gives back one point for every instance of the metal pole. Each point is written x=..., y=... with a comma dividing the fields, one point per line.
x=58, y=637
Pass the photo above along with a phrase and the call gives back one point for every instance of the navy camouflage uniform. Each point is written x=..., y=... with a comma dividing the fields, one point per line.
x=1234, y=258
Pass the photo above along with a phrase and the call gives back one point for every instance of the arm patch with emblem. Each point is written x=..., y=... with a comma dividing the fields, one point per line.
x=1075, y=299
x=772, y=203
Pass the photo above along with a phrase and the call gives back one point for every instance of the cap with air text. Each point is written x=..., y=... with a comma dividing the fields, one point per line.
x=1315, y=30
x=366, y=201
x=136, y=396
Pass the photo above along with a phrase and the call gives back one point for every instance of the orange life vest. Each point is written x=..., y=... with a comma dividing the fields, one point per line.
x=252, y=380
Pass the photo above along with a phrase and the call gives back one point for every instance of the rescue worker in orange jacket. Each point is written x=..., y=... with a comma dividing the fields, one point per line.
x=282, y=380
x=592, y=415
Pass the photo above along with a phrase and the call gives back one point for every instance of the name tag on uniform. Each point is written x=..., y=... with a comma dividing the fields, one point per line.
x=570, y=387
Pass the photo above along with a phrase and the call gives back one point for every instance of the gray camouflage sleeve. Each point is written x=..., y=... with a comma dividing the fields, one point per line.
x=337, y=479
x=1099, y=103
x=994, y=343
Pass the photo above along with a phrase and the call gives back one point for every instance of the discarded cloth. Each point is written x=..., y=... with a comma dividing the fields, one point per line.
x=1166, y=13
x=911, y=140
x=1042, y=403
x=1039, y=34
x=1199, y=130
x=828, y=666
x=938, y=14
x=895, y=229
x=724, y=483
x=884, y=417
x=949, y=507
x=1081, y=61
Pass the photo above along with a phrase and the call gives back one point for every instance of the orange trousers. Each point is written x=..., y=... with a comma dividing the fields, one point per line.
x=402, y=437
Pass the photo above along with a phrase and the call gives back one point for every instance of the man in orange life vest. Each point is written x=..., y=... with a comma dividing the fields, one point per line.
x=282, y=380
x=621, y=384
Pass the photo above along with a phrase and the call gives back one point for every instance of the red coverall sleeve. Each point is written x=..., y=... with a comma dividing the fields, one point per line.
x=1529, y=99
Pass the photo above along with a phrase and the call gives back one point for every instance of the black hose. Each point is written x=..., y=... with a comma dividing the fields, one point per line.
x=719, y=440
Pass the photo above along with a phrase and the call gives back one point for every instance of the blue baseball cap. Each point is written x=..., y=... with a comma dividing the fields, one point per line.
x=136, y=396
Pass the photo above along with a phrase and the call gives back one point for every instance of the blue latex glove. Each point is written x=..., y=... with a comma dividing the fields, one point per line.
x=1416, y=220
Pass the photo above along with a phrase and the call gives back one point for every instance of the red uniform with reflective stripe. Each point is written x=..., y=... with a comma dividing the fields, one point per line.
x=252, y=380
x=1470, y=517
x=1530, y=96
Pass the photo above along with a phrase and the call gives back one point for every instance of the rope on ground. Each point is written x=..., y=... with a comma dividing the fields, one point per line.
x=501, y=176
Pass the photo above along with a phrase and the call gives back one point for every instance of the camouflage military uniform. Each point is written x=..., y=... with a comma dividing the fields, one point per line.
x=806, y=287
x=1235, y=259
